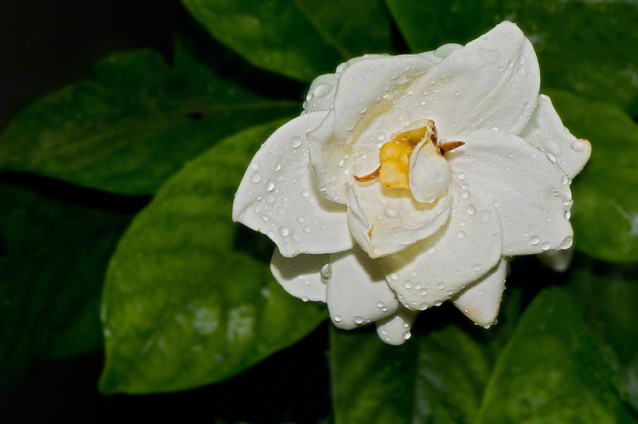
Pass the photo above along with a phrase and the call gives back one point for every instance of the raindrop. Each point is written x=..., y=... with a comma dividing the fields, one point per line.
x=431, y=250
x=460, y=235
x=535, y=240
x=567, y=215
x=578, y=146
x=390, y=213
x=277, y=167
x=322, y=89
x=407, y=335
x=296, y=237
x=567, y=242
x=255, y=178
x=270, y=186
x=440, y=286
x=521, y=59
x=326, y=272
x=466, y=194
x=295, y=141
x=283, y=231
x=545, y=246
x=358, y=320
x=461, y=176
x=485, y=216
x=337, y=318
x=407, y=284
x=380, y=304
x=471, y=210
x=305, y=193
x=380, y=136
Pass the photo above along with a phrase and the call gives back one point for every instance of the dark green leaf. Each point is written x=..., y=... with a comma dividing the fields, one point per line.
x=132, y=124
x=52, y=262
x=189, y=296
x=553, y=370
x=299, y=38
x=438, y=376
x=605, y=212
x=608, y=296
x=584, y=45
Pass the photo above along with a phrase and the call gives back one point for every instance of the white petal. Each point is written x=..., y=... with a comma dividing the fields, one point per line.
x=531, y=193
x=546, y=131
x=435, y=269
x=278, y=196
x=429, y=173
x=347, y=142
x=492, y=82
x=558, y=260
x=481, y=302
x=395, y=329
x=386, y=220
x=301, y=276
x=321, y=93
x=357, y=291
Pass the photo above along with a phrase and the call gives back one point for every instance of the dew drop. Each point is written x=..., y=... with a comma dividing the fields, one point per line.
x=322, y=89
x=485, y=216
x=296, y=237
x=407, y=335
x=440, y=286
x=535, y=240
x=255, y=178
x=270, y=185
x=431, y=250
x=461, y=176
x=545, y=246
x=305, y=193
x=567, y=215
x=567, y=242
x=284, y=232
x=295, y=141
x=466, y=194
x=358, y=320
x=471, y=210
x=390, y=213
x=578, y=146
x=460, y=235
x=326, y=272
x=337, y=318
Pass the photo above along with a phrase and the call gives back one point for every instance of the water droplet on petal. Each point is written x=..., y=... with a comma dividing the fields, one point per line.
x=337, y=318
x=545, y=246
x=471, y=210
x=535, y=240
x=578, y=145
x=284, y=232
x=255, y=178
x=270, y=185
x=322, y=89
x=358, y=320
x=326, y=272
x=295, y=141
x=390, y=213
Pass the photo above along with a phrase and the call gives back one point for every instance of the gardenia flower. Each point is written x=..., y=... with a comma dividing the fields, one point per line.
x=411, y=180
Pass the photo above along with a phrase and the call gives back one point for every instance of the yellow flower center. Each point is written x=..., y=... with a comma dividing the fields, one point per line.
x=395, y=157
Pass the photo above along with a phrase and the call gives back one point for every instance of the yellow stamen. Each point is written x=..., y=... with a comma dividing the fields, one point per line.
x=395, y=163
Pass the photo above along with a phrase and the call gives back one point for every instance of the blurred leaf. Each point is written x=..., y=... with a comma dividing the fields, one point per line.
x=51, y=273
x=585, y=46
x=608, y=296
x=552, y=370
x=438, y=376
x=132, y=124
x=189, y=296
x=300, y=38
x=605, y=212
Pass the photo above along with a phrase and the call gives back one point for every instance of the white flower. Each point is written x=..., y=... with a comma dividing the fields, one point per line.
x=379, y=209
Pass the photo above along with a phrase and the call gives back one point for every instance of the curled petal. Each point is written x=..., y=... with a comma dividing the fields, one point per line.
x=357, y=291
x=436, y=268
x=278, y=196
x=301, y=276
x=386, y=220
x=531, y=193
x=481, y=301
x=395, y=329
x=546, y=131
x=492, y=82
x=558, y=260
x=430, y=173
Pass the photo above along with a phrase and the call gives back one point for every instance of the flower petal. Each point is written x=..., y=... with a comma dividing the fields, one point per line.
x=530, y=192
x=364, y=99
x=386, y=220
x=430, y=173
x=278, y=196
x=301, y=276
x=558, y=260
x=492, y=82
x=395, y=329
x=546, y=131
x=481, y=302
x=436, y=268
x=357, y=291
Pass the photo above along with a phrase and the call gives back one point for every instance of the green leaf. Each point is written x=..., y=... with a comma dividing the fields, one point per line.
x=584, y=45
x=132, y=124
x=608, y=296
x=189, y=296
x=605, y=211
x=52, y=260
x=438, y=376
x=300, y=38
x=553, y=370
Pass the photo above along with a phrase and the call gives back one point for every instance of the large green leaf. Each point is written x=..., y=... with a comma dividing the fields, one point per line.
x=438, y=376
x=608, y=296
x=605, y=212
x=553, y=371
x=189, y=297
x=132, y=124
x=297, y=38
x=52, y=260
x=587, y=46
